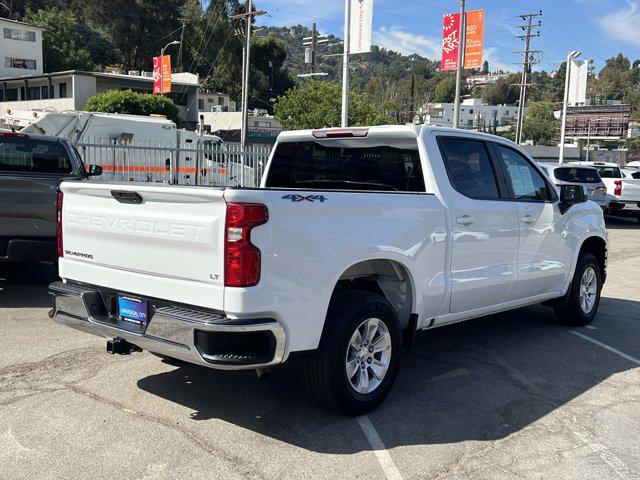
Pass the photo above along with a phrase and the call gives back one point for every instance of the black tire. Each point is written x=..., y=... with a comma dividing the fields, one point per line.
x=568, y=309
x=326, y=369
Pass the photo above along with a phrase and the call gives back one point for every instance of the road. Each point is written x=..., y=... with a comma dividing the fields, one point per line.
x=508, y=396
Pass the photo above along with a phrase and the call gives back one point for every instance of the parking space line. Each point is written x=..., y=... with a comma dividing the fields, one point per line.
x=607, y=347
x=382, y=454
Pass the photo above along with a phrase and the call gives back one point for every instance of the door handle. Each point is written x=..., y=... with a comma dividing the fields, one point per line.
x=465, y=220
x=528, y=219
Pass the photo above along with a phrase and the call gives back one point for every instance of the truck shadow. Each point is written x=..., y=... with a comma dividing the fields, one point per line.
x=622, y=223
x=483, y=380
x=24, y=285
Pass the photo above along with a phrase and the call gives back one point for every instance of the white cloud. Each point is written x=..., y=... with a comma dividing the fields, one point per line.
x=490, y=54
x=407, y=43
x=623, y=24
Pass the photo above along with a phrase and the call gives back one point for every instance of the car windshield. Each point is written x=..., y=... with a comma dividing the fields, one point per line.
x=350, y=164
x=578, y=175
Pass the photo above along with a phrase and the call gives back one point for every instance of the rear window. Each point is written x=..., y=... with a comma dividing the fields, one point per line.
x=350, y=164
x=609, y=172
x=578, y=175
x=32, y=156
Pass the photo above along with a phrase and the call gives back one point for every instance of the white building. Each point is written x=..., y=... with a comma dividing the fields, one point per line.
x=482, y=79
x=216, y=102
x=70, y=90
x=20, y=49
x=474, y=114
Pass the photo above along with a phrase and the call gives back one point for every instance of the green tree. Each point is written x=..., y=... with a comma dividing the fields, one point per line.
x=502, y=92
x=446, y=90
x=138, y=29
x=133, y=103
x=64, y=47
x=316, y=104
x=541, y=125
x=485, y=68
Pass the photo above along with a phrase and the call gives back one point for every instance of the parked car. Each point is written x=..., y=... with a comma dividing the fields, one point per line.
x=625, y=188
x=357, y=239
x=31, y=169
x=588, y=177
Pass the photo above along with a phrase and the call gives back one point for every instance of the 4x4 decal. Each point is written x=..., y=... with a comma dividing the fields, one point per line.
x=305, y=198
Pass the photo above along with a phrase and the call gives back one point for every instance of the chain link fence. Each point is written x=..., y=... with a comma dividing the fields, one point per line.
x=196, y=164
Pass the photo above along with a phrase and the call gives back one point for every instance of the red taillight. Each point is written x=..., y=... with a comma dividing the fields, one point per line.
x=242, y=258
x=618, y=190
x=59, y=223
x=15, y=134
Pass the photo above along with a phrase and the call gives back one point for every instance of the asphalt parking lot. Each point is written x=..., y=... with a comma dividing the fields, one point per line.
x=508, y=396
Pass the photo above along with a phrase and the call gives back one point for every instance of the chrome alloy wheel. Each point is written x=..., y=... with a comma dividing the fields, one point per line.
x=588, y=290
x=368, y=356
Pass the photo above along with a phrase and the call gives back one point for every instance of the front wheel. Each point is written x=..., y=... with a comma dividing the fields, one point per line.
x=580, y=305
x=357, y=361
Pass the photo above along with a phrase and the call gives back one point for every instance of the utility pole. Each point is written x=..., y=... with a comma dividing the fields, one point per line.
x=180, y=63
x=245, y=35
x=311, y=45
x=345, y=64
x=527, y=63
x=314, y=47
x=461, y=48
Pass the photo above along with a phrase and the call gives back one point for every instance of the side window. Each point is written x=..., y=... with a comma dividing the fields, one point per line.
x=469, y=168
x=526, y=183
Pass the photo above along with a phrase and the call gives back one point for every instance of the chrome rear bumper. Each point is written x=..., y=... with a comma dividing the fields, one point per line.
x=174, y=331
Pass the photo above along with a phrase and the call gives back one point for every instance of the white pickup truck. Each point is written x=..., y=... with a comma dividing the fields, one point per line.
x=357, y=239
x=622, y=185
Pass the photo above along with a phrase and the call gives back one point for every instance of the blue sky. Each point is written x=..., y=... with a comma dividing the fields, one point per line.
x=598, y=28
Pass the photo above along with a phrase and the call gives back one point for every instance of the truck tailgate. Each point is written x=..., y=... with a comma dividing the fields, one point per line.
x=155, y=241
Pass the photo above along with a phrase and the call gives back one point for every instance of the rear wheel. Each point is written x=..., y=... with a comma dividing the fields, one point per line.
x=580, y=305
x=357, y=361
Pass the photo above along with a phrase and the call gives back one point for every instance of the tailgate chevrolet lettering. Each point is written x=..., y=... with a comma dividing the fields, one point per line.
x=118, y=224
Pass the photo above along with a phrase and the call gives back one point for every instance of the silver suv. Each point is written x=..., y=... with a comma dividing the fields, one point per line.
x=588, y=177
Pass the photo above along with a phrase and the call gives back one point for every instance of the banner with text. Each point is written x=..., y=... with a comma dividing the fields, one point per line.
x=578, y=84
x=450, y=41
x=473, y=44
x=475, y=39
x=361, y=26
x=162, y=74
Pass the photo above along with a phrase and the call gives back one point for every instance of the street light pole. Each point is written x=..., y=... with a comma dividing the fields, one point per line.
x=345, y=64
x=175, y=42
x=572, y=54
x=461, y=48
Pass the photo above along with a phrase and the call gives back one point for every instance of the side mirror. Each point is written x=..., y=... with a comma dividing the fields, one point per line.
x=94, y=170
x=571, y=195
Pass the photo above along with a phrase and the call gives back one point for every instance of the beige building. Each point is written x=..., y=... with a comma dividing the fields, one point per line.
x=70, y=90
x=263, y=128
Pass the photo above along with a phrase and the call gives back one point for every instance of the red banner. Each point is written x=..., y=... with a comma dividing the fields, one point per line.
x=162, y=75
x=450, y=41
x=473, y=42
